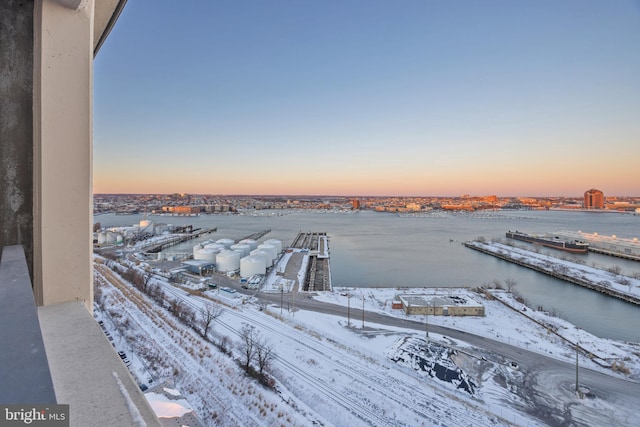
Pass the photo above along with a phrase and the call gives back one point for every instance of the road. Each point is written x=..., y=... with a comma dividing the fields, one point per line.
x=548, y=385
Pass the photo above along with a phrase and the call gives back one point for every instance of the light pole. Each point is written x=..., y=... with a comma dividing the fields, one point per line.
x=348, y=310
x=577, y=388
x=281, y=297
x=363, y=311
x=426, y=325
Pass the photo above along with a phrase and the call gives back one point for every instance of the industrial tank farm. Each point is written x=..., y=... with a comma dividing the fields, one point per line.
x=225, y=242
x=206, y=254
x=243, y=248
x=252, y=265
x=228, y=261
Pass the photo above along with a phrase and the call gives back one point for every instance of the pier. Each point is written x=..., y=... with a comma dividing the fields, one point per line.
x=607, y=245
x=556, y=273
x=254, y=236
x=175, y=239
x=318, y=277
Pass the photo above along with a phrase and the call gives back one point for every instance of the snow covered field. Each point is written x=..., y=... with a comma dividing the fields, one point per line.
x=330, y=374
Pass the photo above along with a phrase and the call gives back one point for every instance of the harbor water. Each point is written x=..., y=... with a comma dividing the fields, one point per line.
x=372, y=249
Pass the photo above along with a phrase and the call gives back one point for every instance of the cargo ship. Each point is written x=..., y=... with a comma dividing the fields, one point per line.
x=574, y=246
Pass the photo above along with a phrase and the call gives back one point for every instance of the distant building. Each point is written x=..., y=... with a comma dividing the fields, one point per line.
x=593, y=199
x=355, y=204
x=439, y=305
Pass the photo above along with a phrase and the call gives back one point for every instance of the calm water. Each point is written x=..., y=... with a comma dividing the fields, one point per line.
x=370, y=249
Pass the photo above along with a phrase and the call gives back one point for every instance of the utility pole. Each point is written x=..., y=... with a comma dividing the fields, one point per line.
x=426, y=325
x=577, y=388
x=362, y=310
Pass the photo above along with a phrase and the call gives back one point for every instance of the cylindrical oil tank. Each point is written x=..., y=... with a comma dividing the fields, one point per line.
x=252, y=264
x=112, y=237
x=207, y=254
x=196, y=248
x=263, y=253
x=275, y=242
x=252, y=243
x=243, y=248
x=214, y=246
x=146, y=226
x=226, y=242
x=271, y=250
x=227, y=261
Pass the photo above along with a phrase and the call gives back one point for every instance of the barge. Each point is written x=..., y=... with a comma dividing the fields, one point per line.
x=574, y=246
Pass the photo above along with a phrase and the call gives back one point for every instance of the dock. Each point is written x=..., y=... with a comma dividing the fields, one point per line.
x=557, y=273
x=318, y=277
x=254, y=236
x=175, y=239
x=606, y=245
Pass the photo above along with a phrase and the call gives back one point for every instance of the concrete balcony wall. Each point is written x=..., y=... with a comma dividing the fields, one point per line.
x=63, y=144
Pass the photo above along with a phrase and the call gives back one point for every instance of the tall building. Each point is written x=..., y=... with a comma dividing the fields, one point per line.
x=593, y=199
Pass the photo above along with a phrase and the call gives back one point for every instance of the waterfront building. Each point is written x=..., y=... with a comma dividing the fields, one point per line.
x=593, y=199
x=439, y=305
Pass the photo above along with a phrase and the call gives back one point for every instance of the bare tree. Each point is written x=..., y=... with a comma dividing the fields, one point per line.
x=188, y=316
x=264, y=355
x=615, y=270
x=249, y=338
x=208, y=314
x=146, y=279
x=511, y=284
x=176, y=307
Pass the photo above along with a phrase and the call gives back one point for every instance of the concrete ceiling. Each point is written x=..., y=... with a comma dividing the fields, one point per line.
x=106, y=14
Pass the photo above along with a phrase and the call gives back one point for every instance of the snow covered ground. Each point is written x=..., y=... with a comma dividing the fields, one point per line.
x=328, y=373
x=608, y=279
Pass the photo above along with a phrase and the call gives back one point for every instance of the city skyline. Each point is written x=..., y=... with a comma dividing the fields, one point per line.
x=370, y=98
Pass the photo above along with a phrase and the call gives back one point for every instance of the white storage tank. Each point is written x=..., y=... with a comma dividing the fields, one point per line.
x=214, y=246
x=225, y=242
x=227, y=261
x=196, y=248
x=112, y=237
x=102, y=238
x=146, y=226
x=271, y=250
x=266, y=255
x=252, y=243
x=243, y=248
x=275, y=242
x=251, y=265
x=207, y=254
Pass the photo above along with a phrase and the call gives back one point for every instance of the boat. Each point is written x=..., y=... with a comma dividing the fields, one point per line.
x=574, y=246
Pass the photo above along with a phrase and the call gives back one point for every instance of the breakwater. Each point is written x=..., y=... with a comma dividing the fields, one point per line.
x=557, y=270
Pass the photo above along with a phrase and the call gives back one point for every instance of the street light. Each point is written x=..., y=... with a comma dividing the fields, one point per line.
x=348, y=310
x=363, y=310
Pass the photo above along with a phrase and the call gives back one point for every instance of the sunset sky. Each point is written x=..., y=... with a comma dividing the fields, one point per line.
x=368, y=97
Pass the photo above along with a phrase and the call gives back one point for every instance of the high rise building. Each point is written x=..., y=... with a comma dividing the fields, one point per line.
x=593, y=199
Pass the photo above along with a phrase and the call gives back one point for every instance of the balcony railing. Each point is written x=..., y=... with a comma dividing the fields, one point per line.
x=58, y=354
x=24, y=370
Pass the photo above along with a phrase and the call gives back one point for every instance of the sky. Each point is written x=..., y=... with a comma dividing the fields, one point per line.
x=370, y=98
